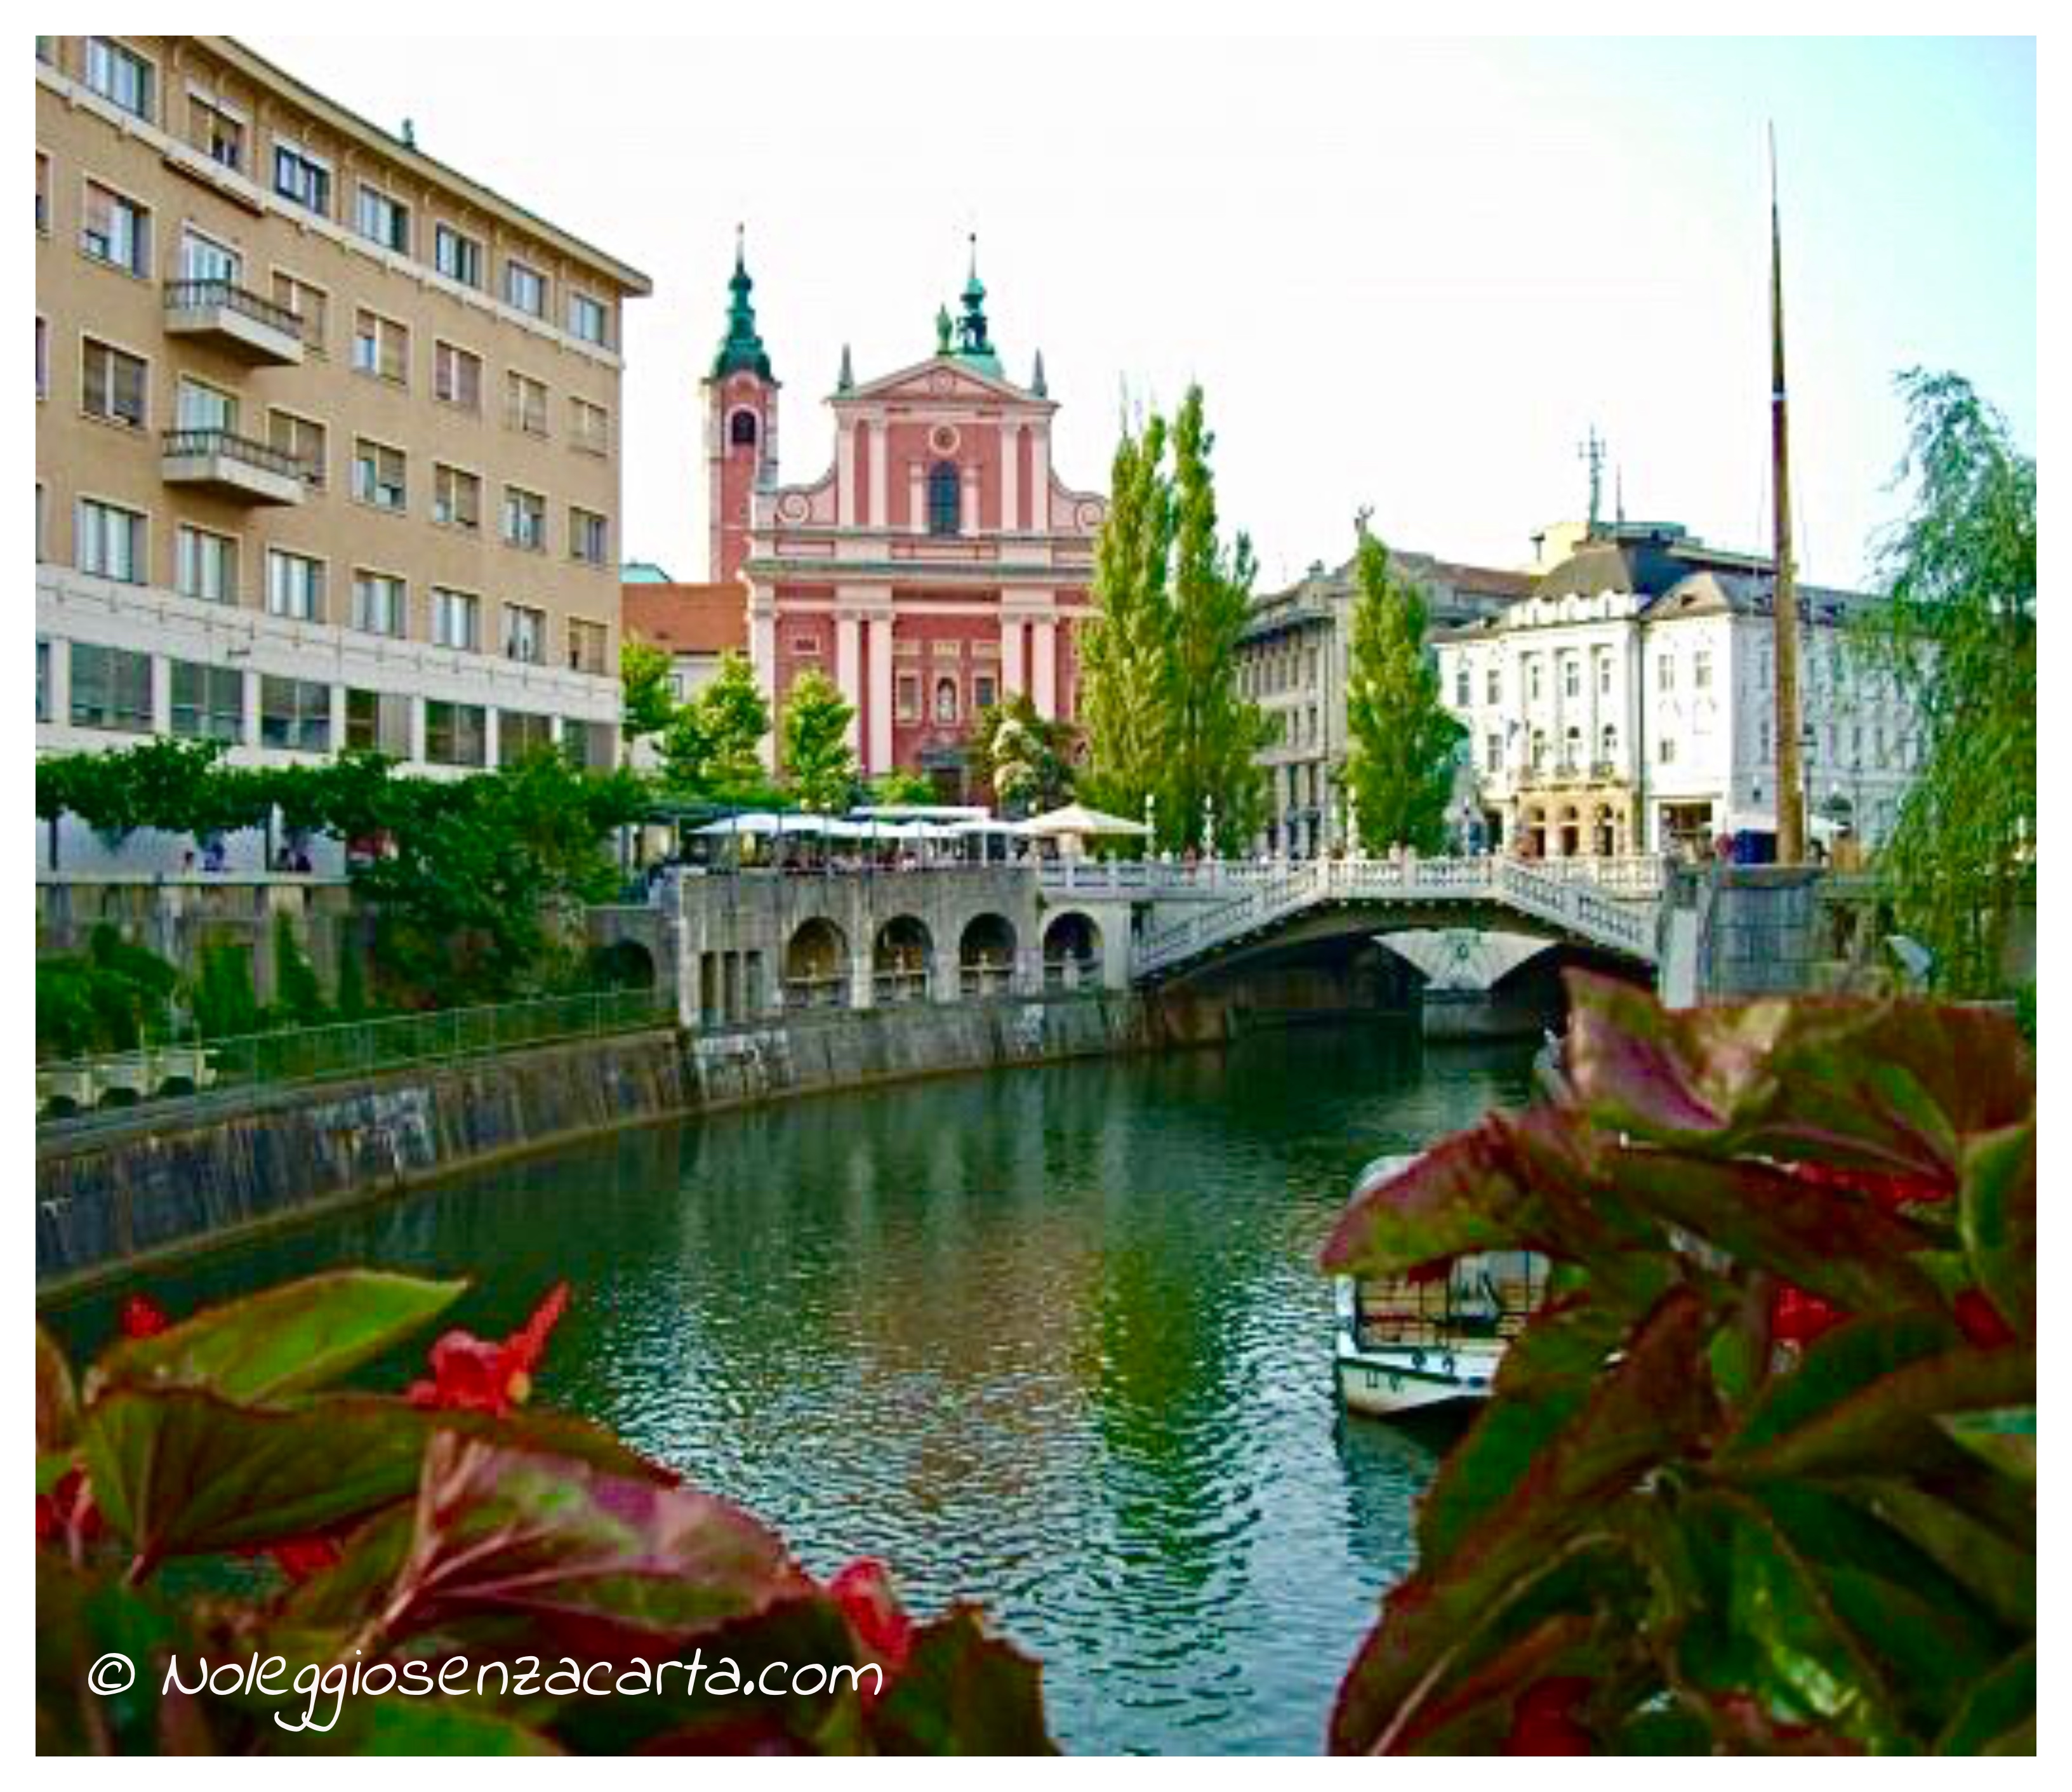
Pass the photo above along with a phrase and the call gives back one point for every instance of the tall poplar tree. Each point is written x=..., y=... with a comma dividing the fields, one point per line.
x=819, y=764
x=1123, y=646
x=1401, y=742
x=1215, y=731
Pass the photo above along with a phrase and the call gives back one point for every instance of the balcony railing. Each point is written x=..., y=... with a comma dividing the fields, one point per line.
x=233, y=464
x=236, y=318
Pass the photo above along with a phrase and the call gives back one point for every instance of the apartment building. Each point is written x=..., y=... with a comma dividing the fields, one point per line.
x=327, y=432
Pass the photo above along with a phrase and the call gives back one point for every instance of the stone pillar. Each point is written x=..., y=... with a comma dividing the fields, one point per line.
x=917, y=498
x=948, y=978
x=1011, y=476
x=881, y=505
x=862, y=980
x=1013, y=674
x=1046, y=679
x=879, y=758
x=1039, y=478
x=967, y=504
x=845, y=476
x=847, y=675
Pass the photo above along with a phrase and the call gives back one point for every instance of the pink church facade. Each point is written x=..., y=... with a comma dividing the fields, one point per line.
x=939, y=564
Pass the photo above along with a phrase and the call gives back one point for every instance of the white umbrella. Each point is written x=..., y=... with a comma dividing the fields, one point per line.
x=1076, y=818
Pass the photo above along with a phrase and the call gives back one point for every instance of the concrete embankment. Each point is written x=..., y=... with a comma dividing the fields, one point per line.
x=108, y=1197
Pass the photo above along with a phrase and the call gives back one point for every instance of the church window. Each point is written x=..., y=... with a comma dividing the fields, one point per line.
x=741, y=429
x=946, y=699
x=944, y=499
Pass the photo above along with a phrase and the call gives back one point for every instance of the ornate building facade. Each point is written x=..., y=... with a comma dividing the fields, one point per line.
x=938, y=566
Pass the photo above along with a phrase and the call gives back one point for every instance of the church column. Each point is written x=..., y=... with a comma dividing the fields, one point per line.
x=968, y=509
x=1046, y=668
x=762, y=660
x=845, y=475
x=1011, y=476
x=880, y=643
x=880, y=506
x=917, y=498
x=846, y=673
x=1013, y=674
x=1039, y=477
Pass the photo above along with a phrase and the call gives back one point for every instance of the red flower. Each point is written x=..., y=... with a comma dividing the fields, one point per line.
x=1798, y=1317
x=1544, y=1721
x=863, y=1590
x=470, y=1374
x=68, y=1506
x=301, y=1557
x=1980, y=1321
x=142, y=1317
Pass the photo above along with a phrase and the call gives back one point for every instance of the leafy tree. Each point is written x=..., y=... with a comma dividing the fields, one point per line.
x=1214, y=733
x=1124, y=646
x=819, y=764
x=894, y=789
x=108, y=998
x=298, y=993
x=1401, y=740
x=223, y=1001
x=712, y=746
x=1026, y=759
x=1959, y=637
x=352, y=978
x=649, y=705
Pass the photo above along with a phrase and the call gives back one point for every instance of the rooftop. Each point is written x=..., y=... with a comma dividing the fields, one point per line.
x=687, y=618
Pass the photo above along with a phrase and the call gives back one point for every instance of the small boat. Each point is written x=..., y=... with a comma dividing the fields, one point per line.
x=1407, y=1345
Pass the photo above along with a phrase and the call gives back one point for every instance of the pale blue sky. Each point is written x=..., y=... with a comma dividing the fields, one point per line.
x=1410, y=273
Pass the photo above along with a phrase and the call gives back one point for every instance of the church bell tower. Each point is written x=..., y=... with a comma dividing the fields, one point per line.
x=741, y=427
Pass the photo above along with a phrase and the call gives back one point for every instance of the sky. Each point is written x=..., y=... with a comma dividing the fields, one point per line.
x=1408, y=274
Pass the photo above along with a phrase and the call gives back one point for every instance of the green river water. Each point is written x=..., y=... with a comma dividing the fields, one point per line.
x=1050, y=1338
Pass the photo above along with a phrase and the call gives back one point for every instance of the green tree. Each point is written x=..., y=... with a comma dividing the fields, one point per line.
x=1124, y=645
x=1026, y=759
x=897, y=789
x=649, y=705
x=1401, y=742
x=297, y=992
x=107, y=998
x=1213, y=732
x=223, y=1001
x=710, y=748
x=819, y=765
x=1958, y=635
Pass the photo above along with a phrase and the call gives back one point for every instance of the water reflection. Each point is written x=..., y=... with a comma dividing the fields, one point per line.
x=1053, y=1339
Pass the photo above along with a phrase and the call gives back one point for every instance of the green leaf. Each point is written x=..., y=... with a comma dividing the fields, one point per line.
x=963, y=1692
x=395, y=1725
x=180, y=1471
x=600, y=1561
x=1830, y=1425
x=57, y=1404
x=286, y=1340
x=1994, y=1570
x=2005, y=1438
x=1998, y=1217
x=1997, y=1716
x=52, y=1467
x=1465, y=1193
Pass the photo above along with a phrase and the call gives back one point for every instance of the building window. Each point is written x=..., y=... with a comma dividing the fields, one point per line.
x=946, y=701
x=589, y=320
x=380, y=605
x=588, y=744
x=456, y=619
x=205, y=565
x=302, y=177
x=517, y=734
x=116, y=230
x=1572, y=676
x=945, y=499
x=310, y=304
x=1572, y=749
x=741, y=429
x=216, y=131
x=295, y=585
x=381, y=347
x=1607, y=745
x=1604, y=674
x=43, y=193
x=384, y=220
x=43, y=680
x=590, y=426
x=111, y=541
x=301, y=441
x=524, y=519
x=201, y=407
x=525, y=634
x=294, y=715
x=1701, y=669
x=1493, y=686
x=120, y=76
x=456, y=735
x=1665, y=672
x=1539, y=749
x=456, y=376
x=985, y=692
x=527, y=406
x=111, y=688
x=525, y=288
x=457, y=257
x=1492, y=754
x=908, y=703
x=43, y=358
x=378, y=721
x=208, y=702
x=1532, y=679
x=1463, y=686
x=456, y=498
x=1665, y=750
x=586, y=646
x=588, y=535
x=380, y=475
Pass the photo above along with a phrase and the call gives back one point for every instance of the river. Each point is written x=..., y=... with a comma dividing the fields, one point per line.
x=1051, y=1339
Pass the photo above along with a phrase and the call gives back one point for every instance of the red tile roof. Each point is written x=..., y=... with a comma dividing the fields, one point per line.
x=688, y=618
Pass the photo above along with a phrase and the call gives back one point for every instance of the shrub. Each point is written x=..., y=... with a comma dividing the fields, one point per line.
x=403, y=1532
x=1761, y=1475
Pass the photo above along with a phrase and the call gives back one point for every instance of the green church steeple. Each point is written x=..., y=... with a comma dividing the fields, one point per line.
x=741, y=350
x=972, y=343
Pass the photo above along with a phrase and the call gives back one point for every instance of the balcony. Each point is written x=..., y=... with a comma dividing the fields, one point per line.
x=232, y=466
x=240, y=322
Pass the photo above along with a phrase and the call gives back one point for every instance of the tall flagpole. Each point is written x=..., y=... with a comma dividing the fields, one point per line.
x=1791, y=786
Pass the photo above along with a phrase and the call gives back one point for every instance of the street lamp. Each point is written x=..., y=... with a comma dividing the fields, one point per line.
x=1208, y=826
x=1151, y=823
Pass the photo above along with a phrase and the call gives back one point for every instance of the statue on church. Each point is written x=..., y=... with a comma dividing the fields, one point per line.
x=942, y=329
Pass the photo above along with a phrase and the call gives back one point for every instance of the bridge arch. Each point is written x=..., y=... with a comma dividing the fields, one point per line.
x=985, y=955
x=1072, y=948
x=816, y=964
x=901, y=958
